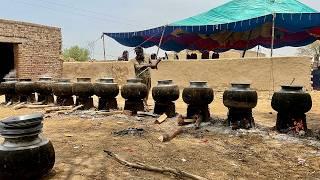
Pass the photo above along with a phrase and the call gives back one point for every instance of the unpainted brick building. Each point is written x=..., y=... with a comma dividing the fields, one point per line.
x=32, y=50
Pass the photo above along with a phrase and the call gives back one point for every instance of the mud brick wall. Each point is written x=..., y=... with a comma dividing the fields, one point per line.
x=219, y=73
x=37, y=48
x=120, y=71
x=257, y=71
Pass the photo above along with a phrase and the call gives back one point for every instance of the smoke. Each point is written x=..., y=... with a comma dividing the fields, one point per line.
x=11, y=74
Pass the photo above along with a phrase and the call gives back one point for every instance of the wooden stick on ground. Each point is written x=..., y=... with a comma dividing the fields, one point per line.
x=161, y=119
x=59, y=108
x=8, y=104
x=31, y=106
x=169, y=137
x=19, y=106
x=142, y=166
x=76, y=108
x=64, y=109
x=38, y=103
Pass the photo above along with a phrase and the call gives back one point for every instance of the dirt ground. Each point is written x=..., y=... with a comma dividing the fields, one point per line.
x=213, y=152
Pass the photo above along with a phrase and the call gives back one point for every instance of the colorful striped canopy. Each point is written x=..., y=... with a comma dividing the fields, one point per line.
x=239, y=24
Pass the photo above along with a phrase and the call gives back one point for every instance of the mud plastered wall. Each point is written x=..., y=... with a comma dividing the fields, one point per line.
x=263, y=73
x=120, y=71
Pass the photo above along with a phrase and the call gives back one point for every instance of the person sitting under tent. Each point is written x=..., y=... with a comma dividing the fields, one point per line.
x=215, y=55
x=188, y=56
x=205, y=55
x=166, y=55
x=153, y=56
x=124, y=57
x=194, y=56
x=176, y=56
x=142, y=67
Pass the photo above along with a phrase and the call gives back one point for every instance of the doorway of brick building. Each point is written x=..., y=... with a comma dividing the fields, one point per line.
x=6, y=59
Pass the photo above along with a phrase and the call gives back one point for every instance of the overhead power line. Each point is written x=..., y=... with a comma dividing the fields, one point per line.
x=64, y=5
x=91, y=17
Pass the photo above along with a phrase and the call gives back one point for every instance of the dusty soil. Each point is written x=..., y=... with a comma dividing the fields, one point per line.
x=214, y=151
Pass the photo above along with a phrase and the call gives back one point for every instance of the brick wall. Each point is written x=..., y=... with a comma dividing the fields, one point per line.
x=37, y=48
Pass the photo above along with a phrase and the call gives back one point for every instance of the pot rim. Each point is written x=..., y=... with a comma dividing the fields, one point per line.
x=165, y=82
x=83, y=79
x=134, y=80
x=64, y=80
x=292, y=87
x=10, y=79
x=25, y=79
x=45, y=78
x=240, y=85
x=105, y=80
x=198, y=84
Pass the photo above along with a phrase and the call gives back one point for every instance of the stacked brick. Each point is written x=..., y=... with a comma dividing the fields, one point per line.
x=37, y=48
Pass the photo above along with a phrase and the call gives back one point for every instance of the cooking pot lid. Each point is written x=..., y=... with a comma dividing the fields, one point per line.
x=25, y=119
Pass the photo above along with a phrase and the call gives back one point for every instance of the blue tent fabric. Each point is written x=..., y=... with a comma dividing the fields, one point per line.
x=291, y=29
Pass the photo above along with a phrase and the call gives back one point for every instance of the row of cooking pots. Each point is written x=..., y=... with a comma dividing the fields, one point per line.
x=289, y=98
x=165, y=91
x=59, y=87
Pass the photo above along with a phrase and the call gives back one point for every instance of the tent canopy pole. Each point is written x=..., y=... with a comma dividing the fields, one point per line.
x=273, y=32
x=245, y=50
x=160, y=42
x=104, y=47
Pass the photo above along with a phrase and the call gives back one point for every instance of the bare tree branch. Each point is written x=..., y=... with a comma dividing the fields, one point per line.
x=142, y=166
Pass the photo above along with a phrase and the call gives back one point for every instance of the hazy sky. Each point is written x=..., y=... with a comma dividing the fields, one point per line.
x=83, y=21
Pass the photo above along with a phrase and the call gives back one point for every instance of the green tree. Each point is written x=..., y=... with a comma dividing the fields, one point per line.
x=77, y=53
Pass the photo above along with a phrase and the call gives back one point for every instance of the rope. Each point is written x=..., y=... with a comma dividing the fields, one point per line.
x=132, y=49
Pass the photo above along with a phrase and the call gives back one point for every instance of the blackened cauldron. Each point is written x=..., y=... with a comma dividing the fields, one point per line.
x=165, y=91
x=63, y=90
x=25, y=89
x=106, y=87
x=291, y=103
x=198, y=93
x=24, y=154
x=44, y=89
x=107, y=91
x=164, y=94
x=8, y=88
x=198, y=96
x=134, y=92
x=83, y=90
x=240, y=99
x=83, y=87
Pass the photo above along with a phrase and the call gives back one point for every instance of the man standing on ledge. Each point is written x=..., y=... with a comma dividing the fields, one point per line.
x=142, y=69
